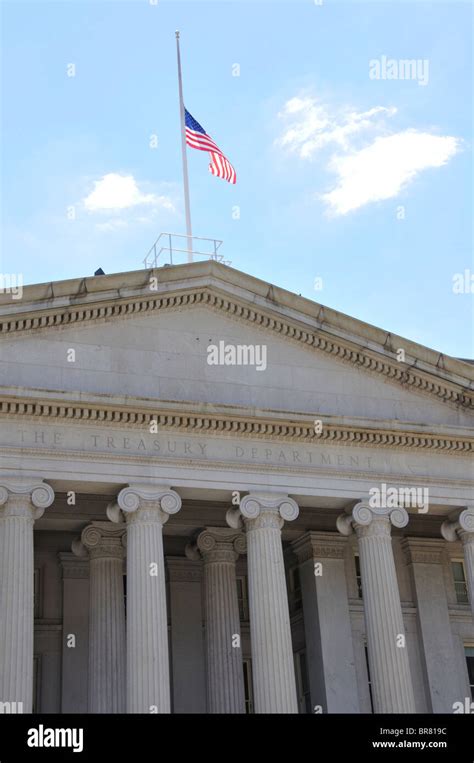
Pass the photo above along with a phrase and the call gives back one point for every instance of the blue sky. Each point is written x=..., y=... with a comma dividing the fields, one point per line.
x=360, y=180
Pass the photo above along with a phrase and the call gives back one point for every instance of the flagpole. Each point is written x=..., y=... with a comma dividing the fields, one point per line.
x=189, y=232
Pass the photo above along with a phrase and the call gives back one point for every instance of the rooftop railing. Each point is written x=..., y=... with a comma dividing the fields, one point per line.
x=167, y=251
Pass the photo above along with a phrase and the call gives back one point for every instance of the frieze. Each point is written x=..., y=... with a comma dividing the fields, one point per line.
x=269, y=445
x=254, y=428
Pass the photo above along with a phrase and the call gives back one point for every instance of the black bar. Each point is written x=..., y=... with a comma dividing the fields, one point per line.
x=310, y=737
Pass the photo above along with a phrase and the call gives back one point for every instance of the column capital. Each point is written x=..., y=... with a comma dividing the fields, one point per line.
x=319, y=545
x=218, y=544
x=368, y=520
x=459, y=526
x=146, y=503
x=100, y=540
x=257, y=510
x=24, y=497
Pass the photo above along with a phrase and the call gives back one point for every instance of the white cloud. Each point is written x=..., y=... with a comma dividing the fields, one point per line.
x=114, y=192
x=380, y=170
x=371, y=161
x=312, y=126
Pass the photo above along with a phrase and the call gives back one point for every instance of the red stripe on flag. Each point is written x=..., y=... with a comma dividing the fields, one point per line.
x=219, y=165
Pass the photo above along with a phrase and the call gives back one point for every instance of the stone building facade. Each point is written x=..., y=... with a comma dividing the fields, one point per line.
x=181, y=536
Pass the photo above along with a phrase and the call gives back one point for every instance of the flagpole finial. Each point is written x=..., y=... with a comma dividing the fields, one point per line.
x=177, y=34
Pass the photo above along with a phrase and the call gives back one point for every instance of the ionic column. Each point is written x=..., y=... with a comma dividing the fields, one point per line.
x=21, y=503
x=103, y=542
x=388, y=658
x=263, y=515
x=461, y=527
x=146, y=508
x=220, y=548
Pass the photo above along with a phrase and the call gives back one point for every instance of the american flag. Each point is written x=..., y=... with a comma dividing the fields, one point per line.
x=196, y=137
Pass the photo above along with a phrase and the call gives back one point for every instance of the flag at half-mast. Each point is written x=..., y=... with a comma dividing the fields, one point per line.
x=197, y=137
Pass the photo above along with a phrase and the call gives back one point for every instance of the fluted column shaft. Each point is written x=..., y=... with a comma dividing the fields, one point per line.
x=147, y=630
x=103, y=541
x=392, y=688
x=461, y=527
x=147, y=508
x=20, y=504
x=220, y=548
x=272, y=652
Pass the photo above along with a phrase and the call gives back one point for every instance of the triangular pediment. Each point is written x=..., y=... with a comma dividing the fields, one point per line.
x=274, y=350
